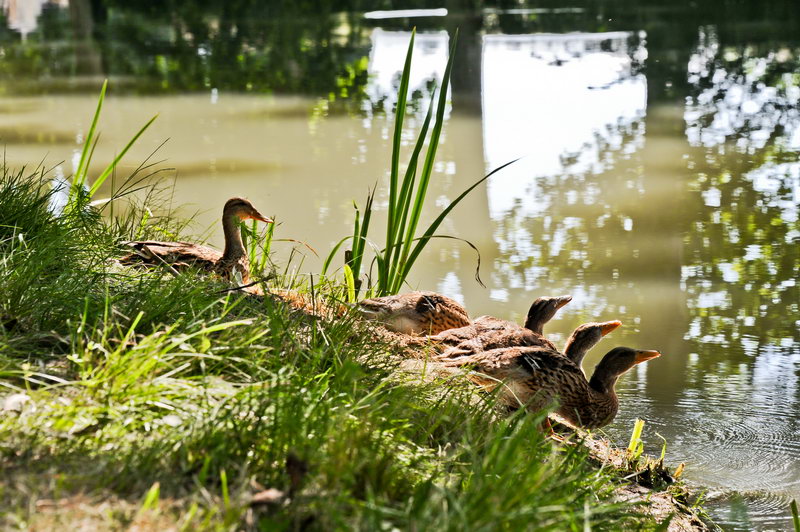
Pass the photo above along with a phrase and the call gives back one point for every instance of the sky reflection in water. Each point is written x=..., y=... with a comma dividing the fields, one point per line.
x=677, y=216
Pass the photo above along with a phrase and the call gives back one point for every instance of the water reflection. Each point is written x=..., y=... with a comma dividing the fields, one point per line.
x=23, y=15
x=572, y=124
x=659, y=184
x=739, y=273
x=742, y=94
x=386, y=58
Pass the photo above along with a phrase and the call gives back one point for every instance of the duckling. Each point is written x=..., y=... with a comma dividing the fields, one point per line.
x=541, y=378
x=488, y=332
x=418, y=313
x=232, y=261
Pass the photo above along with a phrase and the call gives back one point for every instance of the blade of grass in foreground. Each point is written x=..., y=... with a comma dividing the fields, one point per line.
x=89, y=145
x=402, y=94
x=83, y=162
x=403, y=246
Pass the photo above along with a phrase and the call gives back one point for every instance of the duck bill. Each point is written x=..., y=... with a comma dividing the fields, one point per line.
x=609, y=326
x=255, y=215
x=644, y=356
x=561, y=301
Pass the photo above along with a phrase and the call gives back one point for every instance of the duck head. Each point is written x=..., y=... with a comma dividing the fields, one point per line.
x=244, y=210
x=542, y=310
x=615, y=363
x=586, y=336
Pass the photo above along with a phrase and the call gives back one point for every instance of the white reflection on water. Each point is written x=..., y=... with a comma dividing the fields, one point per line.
x=562, y=101
x=386, y=59
x=745, y=101
x=23, y=15
x=779, y=184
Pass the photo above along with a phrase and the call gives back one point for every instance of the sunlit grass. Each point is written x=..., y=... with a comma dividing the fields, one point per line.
x=81, y=191
x=407, y=196
x=175, y=402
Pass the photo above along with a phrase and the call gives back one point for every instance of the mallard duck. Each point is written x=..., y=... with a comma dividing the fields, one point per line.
x=416, y=312
x=541, y=378
x=488, y=332
x=184, y=254
x=542, y=310
x=586, y=336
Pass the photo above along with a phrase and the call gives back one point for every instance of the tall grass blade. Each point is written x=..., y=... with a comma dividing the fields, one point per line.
x=406, y=197
x=327, y=263
x=223, y=478
x=400, y=112
x=405, y=193
x=110, y=168
x=427, y=167
x=350, y=283
x=360, y=233
x=795, y=515
x=430, y=232
x=77, y=193
x=151, y=498
x=83, y=162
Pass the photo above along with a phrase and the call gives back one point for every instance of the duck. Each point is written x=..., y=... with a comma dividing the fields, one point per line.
x=231, y=264
x=586, y=336
x=416, y=313
x=488, y=332
x=543, y=379
x=582, y=339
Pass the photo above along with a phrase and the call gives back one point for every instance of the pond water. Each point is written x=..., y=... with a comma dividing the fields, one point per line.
x=659, y=182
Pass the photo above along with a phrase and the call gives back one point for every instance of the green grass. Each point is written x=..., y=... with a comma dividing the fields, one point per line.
x=406, y=195
x=149, y=400
x=80, y=191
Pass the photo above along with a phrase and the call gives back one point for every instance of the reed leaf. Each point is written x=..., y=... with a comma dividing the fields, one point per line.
x=400, y=112
x=79, y=195
x=110, y=168
x=83, y=162
x=407, y=197
x=434, y=226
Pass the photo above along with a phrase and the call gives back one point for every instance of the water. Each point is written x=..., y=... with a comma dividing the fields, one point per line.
x=659, y=185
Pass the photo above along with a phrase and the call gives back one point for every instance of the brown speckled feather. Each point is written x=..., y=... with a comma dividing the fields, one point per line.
x=182, y=255
x=539, y=378
x=487, y=333
x=416, y=312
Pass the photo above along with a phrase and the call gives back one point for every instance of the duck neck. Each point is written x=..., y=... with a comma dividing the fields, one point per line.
x=603, y=382
x=535, y=325
x=573, y=351
x=234, y=247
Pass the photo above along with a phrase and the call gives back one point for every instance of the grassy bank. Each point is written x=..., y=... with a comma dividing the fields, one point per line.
x=132, y=397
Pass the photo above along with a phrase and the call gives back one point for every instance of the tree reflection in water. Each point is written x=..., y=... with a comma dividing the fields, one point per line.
x=662, y=191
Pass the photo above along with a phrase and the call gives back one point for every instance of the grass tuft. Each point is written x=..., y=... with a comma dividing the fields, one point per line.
x=145, y=400
x=407, y=196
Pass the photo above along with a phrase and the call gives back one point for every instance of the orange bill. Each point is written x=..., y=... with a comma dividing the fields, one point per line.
x=609, y=326
x=644, y=356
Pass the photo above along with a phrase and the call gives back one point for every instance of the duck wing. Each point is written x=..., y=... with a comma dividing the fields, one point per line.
x=488, y=333
x=186, y=253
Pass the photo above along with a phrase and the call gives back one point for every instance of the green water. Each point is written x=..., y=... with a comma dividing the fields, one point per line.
x=659, y=184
